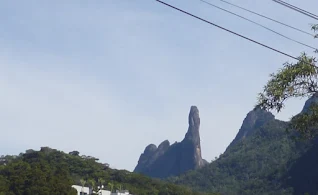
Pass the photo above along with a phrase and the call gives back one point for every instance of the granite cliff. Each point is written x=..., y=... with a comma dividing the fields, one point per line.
x=172, y=160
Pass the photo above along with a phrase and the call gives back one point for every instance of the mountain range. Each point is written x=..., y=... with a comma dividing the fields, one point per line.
x=263, y=158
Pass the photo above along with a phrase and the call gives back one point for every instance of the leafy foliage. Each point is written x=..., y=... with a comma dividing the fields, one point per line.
x=294, y=80
x=49, y=171
x=306, y=122
x=258, y=164
x=36, y=173
x=314, y=27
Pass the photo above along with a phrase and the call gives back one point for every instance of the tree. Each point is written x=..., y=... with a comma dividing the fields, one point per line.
x=74, y=153
x=101, y=182
x=315, y=28
x=119, y=187
x=83, y=182
x=50, y=171
x=111, y=186
x=92, y=183
x=294, y=80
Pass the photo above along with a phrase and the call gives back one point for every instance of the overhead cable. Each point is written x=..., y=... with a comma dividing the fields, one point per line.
x=210, y=4
x=285, y=3
x=232, y=32
x=297, y=9
x=263, y=16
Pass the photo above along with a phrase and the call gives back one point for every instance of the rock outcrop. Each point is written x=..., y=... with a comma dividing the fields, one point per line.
x=262, y=159
x=312, y=100
x=253, y=120
x=171, y=160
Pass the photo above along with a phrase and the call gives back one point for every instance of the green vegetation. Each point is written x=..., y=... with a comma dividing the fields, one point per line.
x=260, y=164
x=315, y=28
x=294, y=80
x=49, y=171
x=266, y=162
x=269, y=161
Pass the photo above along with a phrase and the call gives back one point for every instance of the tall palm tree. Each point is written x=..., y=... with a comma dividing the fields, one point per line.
x=101, y=181
x=111, y=186
x=93, y=184
x=118, y=186
x=83, y=182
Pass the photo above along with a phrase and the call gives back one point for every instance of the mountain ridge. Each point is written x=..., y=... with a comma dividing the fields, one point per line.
x=262, y=159
x=170, y=160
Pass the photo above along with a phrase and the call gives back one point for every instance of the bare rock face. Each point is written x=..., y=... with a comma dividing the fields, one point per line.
x=191, y=142
x=253, y=120
x=171, y=160
x=312, y=100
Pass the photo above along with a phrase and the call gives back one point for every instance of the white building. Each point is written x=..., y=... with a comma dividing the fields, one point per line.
x=87, y=191
x=104, y=192
x=82, y=190
x=122, y=192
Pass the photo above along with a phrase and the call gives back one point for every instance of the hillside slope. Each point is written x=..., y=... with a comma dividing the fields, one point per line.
x=49, y=171
x=263, y=159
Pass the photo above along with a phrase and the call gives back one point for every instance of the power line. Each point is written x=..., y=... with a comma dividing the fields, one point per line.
x=297, y=9
x=283, y=2
x=210, y=4
x=237, y=34
x=263, y=16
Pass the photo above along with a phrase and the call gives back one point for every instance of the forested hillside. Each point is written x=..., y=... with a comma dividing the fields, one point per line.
x=49, y=171
x=263, y=159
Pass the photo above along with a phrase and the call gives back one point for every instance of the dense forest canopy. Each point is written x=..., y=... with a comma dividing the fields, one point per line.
x=50, y=171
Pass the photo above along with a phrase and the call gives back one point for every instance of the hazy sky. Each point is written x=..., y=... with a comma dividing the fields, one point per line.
x=109, y=77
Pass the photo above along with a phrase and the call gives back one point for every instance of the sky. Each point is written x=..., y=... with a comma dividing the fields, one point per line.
x=107, y=78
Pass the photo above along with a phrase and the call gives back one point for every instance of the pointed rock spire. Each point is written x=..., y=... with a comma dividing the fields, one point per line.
x=168, y=160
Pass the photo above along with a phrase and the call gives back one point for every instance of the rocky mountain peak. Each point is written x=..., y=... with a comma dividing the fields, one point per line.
x=311, y=100
x=169, y=160
x=194, y=118
x=164, y=145
x=253, y=120
x=194, y=125
x=150, y=149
